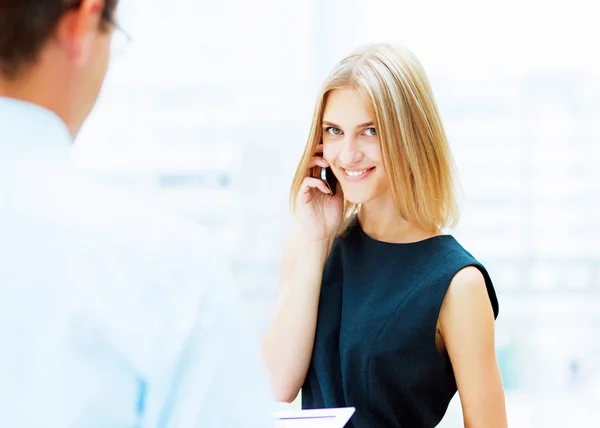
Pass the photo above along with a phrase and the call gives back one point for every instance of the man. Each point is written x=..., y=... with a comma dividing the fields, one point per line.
x=110, y=315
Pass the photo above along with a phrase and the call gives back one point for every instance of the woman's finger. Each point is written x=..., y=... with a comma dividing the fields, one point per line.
x=318, y=161
x=314, y=183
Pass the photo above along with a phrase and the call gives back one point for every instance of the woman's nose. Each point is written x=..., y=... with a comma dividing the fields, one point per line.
x=351, y=153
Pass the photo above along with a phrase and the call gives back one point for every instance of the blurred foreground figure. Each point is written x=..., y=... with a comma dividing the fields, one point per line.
x=110, y=315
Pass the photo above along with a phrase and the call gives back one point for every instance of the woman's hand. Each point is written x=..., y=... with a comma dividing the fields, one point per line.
x=318, y=212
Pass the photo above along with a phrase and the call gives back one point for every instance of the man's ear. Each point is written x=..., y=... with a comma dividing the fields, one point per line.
x=78, y=29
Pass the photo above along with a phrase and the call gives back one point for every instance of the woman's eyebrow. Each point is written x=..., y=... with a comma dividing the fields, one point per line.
x=362, y=125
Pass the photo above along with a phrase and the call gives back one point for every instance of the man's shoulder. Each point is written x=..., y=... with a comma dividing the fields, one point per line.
x=78, y=216
x=130, y=220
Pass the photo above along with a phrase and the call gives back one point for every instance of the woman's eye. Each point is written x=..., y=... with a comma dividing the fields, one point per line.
x=371, y=132
x=333, y=130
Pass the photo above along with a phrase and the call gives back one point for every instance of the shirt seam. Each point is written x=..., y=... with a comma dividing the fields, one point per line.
x=432, y=271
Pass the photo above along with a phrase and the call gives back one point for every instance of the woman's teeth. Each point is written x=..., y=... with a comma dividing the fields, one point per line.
x=357, y=173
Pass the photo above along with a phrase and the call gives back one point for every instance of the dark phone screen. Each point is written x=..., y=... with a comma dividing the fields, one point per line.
x=328, y=177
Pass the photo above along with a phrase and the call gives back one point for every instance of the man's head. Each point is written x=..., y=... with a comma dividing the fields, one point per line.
x=55, y=53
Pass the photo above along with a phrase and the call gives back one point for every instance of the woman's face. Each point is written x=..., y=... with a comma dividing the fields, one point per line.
x=351, y=146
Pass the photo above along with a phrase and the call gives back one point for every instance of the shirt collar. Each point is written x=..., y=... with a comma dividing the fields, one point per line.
x=31, y=131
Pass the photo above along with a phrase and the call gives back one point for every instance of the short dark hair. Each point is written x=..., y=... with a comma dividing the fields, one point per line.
x=26, y=25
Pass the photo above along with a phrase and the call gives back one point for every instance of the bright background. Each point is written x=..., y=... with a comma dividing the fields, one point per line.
x=206, y=112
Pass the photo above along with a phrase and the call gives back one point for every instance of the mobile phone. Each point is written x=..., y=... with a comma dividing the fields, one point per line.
x=328, y=177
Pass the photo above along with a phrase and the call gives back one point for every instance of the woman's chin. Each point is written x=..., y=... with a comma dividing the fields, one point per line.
x=356, y=199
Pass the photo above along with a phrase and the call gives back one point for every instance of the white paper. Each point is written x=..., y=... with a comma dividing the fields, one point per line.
x=318, y=418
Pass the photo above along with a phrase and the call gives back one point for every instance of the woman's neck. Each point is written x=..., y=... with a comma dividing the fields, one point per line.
x=383, y=223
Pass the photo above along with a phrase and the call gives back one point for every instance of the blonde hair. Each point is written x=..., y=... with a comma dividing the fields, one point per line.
x=414, y=146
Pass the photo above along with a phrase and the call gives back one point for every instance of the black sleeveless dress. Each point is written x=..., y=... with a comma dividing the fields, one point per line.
x=375, y=339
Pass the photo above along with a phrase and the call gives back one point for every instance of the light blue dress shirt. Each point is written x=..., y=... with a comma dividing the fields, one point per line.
x=111, y=314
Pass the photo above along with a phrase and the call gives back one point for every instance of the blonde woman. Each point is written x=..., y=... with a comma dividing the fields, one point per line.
x=378, y=308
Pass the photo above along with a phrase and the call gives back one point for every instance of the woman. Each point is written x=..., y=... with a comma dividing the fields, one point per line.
x=378, y=309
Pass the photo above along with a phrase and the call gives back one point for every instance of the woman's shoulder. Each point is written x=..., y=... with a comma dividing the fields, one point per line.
x=450, y=245
x=468, y=272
